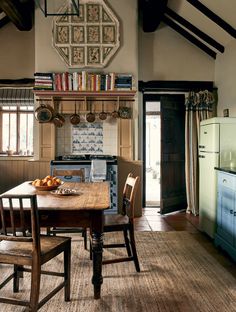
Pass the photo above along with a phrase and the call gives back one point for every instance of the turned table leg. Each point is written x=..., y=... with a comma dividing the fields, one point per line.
x=97, y=248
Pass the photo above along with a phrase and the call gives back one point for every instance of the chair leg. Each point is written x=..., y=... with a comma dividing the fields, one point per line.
x=67, y=269
x=127, y=243
x=48, y=231
x=16, y=278
x=84, y=234
x=35, y=285
x=133, y=247
x=90, y=250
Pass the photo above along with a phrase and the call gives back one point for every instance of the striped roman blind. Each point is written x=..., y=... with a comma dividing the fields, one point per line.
x=16, y=97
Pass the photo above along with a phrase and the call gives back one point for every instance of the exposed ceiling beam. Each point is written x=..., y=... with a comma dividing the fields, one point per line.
x=4, y=21
x=19, y=12
x=195, y=30
x=189, y=36
x=212, y=16
x=172, y=85
x=151, y=13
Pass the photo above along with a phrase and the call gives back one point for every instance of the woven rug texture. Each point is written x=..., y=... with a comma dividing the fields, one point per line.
x=178, y=274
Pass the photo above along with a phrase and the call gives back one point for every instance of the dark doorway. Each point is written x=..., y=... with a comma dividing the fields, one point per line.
x=167, y=164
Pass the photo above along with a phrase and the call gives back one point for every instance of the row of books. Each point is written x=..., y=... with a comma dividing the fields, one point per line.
x=43, y=81
x=83, y=81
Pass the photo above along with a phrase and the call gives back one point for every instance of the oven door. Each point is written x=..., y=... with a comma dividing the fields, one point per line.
x=71, y=173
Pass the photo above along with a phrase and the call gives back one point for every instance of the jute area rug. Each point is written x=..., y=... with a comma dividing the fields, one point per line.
x=178, y=273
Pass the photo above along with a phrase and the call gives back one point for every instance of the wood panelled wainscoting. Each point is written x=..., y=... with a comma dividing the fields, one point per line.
x=17, y=171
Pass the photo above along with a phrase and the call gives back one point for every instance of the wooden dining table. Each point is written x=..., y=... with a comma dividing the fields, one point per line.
x=85, y=208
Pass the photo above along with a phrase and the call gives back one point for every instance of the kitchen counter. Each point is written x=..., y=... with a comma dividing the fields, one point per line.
x=231, y=170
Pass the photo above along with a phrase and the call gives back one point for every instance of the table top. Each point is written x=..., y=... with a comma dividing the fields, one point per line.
x=91, y=196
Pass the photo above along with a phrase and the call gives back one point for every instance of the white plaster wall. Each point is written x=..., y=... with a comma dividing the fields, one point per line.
x=225, y=79
x=16, y=53
x=125, y=60
x=166, y=55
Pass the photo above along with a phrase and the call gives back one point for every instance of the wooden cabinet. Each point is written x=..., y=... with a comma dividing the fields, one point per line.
x=46, y=141
x=226, y=213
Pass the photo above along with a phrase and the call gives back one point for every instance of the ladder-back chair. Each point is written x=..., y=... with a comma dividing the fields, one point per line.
x=68, y=174
x=125, y=223
x=22, y=245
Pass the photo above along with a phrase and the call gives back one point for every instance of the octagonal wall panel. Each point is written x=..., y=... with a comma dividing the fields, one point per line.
x=88, y=40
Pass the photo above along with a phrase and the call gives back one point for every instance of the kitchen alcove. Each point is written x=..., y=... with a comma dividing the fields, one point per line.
x=109, y=101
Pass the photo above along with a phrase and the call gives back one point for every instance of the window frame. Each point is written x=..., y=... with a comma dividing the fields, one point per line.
x=18, y=111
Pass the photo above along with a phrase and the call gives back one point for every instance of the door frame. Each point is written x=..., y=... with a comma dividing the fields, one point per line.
x=146, y=98
x=151, y=97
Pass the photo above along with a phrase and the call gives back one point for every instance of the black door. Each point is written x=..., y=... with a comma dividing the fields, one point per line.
x=173, y=191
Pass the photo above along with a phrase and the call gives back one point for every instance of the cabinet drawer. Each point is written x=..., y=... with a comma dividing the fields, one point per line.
x=227, y=180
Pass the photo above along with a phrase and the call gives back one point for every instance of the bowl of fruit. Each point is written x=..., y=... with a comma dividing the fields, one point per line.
x=48, y=183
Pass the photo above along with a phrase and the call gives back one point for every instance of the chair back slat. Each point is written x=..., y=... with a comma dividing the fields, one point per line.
x=22, y=217
x=66, y=173
x=129, y=193
x=3, y=225
x=13, y=209
x=12, y=226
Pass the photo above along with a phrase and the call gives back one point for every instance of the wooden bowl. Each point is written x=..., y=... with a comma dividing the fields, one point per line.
x=45, y=187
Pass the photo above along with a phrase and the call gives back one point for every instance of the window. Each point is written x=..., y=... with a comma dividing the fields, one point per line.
x=16, y=125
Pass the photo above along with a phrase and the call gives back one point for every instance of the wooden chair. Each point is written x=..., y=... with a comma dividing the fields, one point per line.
x=124, y=223
x=21, y=247
x=68, y=174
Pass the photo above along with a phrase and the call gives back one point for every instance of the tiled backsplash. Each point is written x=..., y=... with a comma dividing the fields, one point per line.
x=99, y=137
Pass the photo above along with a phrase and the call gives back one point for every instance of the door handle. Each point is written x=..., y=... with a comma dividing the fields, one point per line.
x=201, y=146
x=201, y=156
x=68, y=177
x=231, y=211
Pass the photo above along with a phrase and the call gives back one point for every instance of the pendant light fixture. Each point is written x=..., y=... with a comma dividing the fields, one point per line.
x=46, y=6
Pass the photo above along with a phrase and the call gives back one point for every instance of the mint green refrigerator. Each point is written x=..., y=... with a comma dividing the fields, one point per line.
x=217, y=148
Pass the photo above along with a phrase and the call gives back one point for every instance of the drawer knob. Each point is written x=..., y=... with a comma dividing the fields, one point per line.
x=224, y=181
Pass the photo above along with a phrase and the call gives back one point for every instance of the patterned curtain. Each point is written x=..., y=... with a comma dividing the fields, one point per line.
x=199, y=106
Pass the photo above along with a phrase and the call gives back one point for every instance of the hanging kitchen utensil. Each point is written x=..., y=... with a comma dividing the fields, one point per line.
x=125, y=112
x=90, y=117
x=115, y=113
x=75, y=118
x=44, y=113
x=103, y=115
x=58, y=119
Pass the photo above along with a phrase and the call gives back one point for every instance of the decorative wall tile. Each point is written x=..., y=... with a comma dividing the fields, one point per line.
x=87, y=138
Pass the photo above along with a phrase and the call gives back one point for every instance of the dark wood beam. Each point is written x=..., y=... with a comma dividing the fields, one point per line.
x=151, y=12
x=212, y=16
x=173, y=85
x=21, y=13
x=4, y=21
x=195, y=30
x=17, y=82
x=188, y=36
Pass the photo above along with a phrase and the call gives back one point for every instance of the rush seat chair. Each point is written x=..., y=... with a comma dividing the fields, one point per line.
x=79, y=173
x=124, y=222
x=22, y=247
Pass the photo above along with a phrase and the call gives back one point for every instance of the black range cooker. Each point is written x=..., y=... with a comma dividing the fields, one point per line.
x=69, y=164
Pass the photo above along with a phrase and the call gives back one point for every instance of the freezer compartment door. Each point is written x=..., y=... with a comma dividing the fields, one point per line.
x=208, y=192
x=209, y=138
